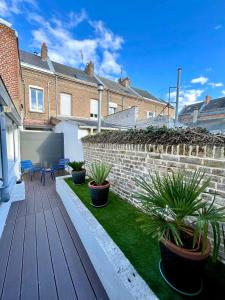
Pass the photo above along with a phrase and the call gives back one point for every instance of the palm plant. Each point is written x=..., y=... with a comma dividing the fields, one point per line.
x=175, y=199
x=99, y=172
x=76, y=165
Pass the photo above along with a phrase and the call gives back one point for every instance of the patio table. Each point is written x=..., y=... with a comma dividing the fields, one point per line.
x=44, y=172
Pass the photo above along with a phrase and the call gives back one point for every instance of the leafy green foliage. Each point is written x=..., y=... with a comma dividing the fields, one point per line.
x=76, y=165
x=171, y=201
x=158, y=135
x=119, y=219
x=99, y=172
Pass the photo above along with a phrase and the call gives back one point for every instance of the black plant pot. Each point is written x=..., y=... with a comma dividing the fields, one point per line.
x=79, y=176
x=183, y=269
x=99, y=193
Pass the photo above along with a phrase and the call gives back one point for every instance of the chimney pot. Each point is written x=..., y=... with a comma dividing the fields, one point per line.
x=207, y=99
x=125, y=82
x=44, y=51
x=89, y=69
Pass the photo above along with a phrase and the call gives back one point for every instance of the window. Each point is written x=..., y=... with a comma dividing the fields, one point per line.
x=150, y=114
x=94, y=109
x=36, y=99
x=112, y=108
x=65, y=104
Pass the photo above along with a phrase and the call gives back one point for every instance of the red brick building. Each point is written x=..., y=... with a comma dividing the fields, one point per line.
x=50, y=90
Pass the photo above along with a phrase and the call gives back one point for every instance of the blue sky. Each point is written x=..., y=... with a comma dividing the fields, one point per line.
x=147, y=39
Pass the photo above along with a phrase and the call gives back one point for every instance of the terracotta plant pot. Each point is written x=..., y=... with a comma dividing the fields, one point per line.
x=183, y=268
x=99, y=193
x=79, y=176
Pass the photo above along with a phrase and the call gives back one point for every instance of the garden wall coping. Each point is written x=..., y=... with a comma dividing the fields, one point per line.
x=118, y=276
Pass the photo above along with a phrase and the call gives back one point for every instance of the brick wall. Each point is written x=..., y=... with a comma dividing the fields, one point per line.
x=9, y=62
x=129, y=161
x=81, y=94
x=45, y=81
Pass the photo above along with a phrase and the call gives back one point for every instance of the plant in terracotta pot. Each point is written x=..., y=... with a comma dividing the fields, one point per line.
x=78, y=172
x=181, y=220
x=99, y=186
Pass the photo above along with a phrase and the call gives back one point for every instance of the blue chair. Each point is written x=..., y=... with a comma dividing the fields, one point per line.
x=62, y=164
x=43, y=173
x=28, y=167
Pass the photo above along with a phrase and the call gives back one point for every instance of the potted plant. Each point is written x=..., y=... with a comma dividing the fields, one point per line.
x=78, y=172
x=180, y=219
x=99, y=186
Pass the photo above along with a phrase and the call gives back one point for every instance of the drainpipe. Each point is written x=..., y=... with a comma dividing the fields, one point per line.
x=56, y=95
x=48, y=103
x=122, y=102
x=108, y=99
x=4, y=189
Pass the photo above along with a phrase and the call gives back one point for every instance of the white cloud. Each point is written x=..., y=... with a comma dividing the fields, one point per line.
x=215, y=84
x=3, y=8
x=219, y=26
x=202, y=80
x=188, y=96
x=102, y=47
x=107, y=38
x=77, y=18
x=109, y=64
x=223, y=92
x=9, y=7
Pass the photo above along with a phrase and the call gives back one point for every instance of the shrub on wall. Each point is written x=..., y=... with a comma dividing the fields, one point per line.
x=162, y=136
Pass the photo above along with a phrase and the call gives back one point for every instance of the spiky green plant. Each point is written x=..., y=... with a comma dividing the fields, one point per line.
x=76, y=165
x=175, y=199
x=99, y=172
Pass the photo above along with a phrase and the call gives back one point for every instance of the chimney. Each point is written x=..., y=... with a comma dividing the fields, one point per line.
x=44, y=51
x=125, y=82
x=195, y=115
x=207, y=99
x=9, y=61
x=89, y=69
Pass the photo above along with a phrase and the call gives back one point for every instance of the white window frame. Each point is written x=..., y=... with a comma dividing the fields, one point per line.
x=93, y=118
x=70, y=104
x=114, y=106
x=37, y=88
x=152, y=112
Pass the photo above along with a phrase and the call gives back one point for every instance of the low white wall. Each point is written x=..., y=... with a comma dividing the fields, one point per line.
x=73, y=148
x=17, y=192
x=118, y=276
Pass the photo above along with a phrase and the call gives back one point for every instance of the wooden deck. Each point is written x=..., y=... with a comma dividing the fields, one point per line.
x=41, y=255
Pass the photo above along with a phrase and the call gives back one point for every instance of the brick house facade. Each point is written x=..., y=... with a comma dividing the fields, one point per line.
x=9, y=61
x=208, y=114
x=49, y=90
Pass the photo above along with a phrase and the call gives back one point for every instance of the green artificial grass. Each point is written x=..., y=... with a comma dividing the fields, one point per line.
x=119, y=219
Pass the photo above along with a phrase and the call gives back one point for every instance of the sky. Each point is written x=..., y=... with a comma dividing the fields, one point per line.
x=145, y=40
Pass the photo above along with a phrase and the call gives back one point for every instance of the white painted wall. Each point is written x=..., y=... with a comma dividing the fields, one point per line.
x=118, y=276
x=73, y=148
x=17, y=191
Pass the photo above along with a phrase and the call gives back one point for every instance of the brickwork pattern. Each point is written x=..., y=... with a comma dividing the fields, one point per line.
x=9, y=62
x=81, y=94
x=129, y=161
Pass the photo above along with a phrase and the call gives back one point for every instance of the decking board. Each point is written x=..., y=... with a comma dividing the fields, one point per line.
x=42, y=256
